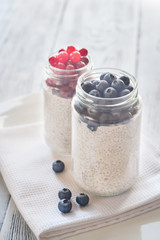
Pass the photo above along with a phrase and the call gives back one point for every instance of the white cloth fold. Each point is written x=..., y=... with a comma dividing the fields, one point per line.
x=26, y=166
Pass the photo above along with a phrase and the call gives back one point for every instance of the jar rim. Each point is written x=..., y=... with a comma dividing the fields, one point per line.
x=106, y=101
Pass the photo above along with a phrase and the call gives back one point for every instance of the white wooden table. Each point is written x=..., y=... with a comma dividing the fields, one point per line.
x=118, y=33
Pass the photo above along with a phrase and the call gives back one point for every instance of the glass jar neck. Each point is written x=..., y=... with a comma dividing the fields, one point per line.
x=96, y=102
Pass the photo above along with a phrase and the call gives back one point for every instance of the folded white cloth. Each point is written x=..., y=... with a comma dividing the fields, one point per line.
x=26, y=166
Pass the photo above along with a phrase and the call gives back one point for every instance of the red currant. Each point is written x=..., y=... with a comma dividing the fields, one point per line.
x=70, y=49
x=66, y=92
x=61, y=65
x=80, y=64
x=72, y=84
x=85, y=60
x=50, y=82
x=53, y=61
x=61, y=50
x=70, y=67
x=63, y=57
x=75, y=56
x=83, y=52
x=69, y=62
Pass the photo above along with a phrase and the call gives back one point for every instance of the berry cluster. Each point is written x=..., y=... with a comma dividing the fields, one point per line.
x=108, y=86
x=69, y=60
x=65, y=204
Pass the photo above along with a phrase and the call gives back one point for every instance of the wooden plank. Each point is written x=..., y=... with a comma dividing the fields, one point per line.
x=15, y=228
x=107, y=28
x=148, y=70
x=28, y=29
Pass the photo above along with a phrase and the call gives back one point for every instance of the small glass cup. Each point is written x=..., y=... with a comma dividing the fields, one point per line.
x=59, y=88
x=105, y=137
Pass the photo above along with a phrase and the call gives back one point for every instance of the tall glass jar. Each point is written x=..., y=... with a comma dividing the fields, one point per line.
x=59, y=88
x=105, y=137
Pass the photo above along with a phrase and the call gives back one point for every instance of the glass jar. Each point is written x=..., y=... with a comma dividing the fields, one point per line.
x=59, y=88
x=105, y=137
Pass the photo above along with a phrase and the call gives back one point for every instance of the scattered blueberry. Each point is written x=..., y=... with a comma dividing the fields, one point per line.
x=65, y=206
x=110, y=93
x=95, y=93
x=82, y=199
x=109, y=77
x=58, y=166
x=102, y=86
x=92, y=126
x=130, y=88
x=126, y=80
x=65, y=193
x=118, y=85
x=95, y=82
x=124, y=92
x=87, y=86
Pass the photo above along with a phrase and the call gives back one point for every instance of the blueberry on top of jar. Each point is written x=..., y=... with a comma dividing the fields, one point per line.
x=102, y=86
x=110, y=93
x=87, y=86
x=109, y=77
x=95, y=93
x=130, y=88
x=95, y=82
x=124, y=92
x=126, y=80
x=118, y=85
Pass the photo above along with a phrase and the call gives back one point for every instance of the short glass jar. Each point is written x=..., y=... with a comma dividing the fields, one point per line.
x=105, y=137
x=59, y=88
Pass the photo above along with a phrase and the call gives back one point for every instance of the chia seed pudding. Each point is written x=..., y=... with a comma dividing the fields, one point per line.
x=106, y=121
x=62, y=72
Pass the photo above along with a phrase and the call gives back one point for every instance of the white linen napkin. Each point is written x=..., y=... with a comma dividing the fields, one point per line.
x=26, y=166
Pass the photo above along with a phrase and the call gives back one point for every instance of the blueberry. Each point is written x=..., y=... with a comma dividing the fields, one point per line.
x=124, y=92
x=102, y=86
x=110, y=93
x=118, y=85
x=92, y=126
x=65, y=193
x=65, y=206
x=95, y=93
x=103, y=117
x=82, y=199
x=79, y=107
x=102, y=76
x=130, y=88
x=92, y=112
x=125, y=79
x=58, y=166
x=114, y=117
x=95, y=82
x=109, y=77
x=125, y=116
x=87, y=86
